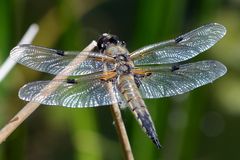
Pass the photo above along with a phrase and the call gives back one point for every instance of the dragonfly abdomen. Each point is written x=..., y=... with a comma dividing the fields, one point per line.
x=130, y=92
x=146, y=123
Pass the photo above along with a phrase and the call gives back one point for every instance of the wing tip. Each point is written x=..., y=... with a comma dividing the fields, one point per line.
x=222, y=29
x=22, y=93
x=16, y=52
x=219, y=68
x=222, y=68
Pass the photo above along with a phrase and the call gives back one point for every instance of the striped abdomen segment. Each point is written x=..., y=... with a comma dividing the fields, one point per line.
x=136, y=104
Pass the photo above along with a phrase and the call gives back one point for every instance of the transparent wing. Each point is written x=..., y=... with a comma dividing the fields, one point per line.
x=74, y=93
x=54, y=61
x=177, y=79
x=182, y=48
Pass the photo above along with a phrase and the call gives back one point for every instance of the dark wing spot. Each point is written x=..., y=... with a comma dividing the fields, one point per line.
x=179, y=39
x=71, y=81
x=175, y=67
x=148, y=73
x=60, y=52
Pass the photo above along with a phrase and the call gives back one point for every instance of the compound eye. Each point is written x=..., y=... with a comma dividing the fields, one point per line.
x=113, y=40
x=102, y=41
x=123, y=43
x=103, y=46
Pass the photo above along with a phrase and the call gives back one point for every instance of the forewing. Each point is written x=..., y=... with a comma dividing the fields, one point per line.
x=182, y=48
x=54, y=61
x=74, y=93
x=177, y=79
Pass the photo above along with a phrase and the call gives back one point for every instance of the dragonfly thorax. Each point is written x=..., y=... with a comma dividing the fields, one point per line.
x=124, y=64
x=123, y=69
x=122, y=58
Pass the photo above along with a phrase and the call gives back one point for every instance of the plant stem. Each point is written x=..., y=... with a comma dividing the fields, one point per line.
x=26, y=39
x=120, y=127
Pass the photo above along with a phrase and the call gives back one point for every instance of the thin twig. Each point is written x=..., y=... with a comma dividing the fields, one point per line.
x=26, y=39
x=120, y=127
x=32, y=106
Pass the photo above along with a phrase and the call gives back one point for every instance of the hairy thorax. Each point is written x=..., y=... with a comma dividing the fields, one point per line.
x=123, y=64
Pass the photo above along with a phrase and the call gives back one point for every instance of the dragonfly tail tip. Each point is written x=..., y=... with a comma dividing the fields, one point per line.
x=156, y=142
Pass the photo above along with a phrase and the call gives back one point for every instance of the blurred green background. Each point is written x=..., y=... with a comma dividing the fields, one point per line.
x=200, y=125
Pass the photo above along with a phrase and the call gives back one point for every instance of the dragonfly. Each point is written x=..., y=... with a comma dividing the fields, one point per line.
x=153, y=71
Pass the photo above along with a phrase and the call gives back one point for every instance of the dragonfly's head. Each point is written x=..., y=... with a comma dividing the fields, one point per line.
x=106, y=40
